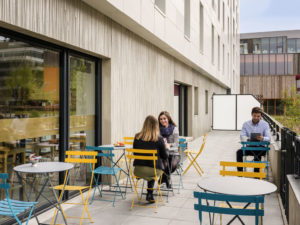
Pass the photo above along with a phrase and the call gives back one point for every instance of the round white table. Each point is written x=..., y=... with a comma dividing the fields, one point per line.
x=236, y=186
x=44, y=168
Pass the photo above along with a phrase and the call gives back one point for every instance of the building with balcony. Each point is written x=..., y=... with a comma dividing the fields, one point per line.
x=88, y=72
x=270, y=66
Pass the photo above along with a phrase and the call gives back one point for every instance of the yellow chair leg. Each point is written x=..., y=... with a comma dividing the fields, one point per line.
x=85, y=208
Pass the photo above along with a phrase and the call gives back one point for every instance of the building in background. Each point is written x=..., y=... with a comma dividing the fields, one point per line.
x=270, y=66
x=87, y=72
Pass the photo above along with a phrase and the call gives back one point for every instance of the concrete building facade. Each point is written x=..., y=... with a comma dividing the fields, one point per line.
x=98, y=68
x=270, y=66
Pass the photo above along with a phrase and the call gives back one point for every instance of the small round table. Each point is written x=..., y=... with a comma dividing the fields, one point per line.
x=237, y=186
x=44, y=168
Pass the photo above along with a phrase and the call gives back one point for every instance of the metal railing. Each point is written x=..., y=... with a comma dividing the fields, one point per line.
x=290, y=157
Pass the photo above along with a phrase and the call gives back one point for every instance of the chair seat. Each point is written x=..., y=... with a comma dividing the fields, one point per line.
x=191, y=151
x=106, y=170
x=18, y=207
x=70, y=187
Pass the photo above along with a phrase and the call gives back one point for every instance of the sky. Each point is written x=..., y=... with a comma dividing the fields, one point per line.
x=269, y=15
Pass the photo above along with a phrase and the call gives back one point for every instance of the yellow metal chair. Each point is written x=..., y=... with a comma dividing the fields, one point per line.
x=234, y=172
x=246, y=165
x=79, y=157
x=143, y=154
x=190, y=155
x=128, y=140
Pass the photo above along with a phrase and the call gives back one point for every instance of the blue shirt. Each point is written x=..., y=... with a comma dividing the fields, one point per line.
x=261, y=127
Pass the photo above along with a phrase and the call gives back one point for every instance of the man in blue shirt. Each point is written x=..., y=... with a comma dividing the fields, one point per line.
x=256, y=125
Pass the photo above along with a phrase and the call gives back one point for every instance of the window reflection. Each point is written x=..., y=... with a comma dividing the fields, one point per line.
x=272, y=64
x=265, y=45
x=291, y=43
x=82, y=112
x=29, y=109
x=257, y=46
x=273, y=45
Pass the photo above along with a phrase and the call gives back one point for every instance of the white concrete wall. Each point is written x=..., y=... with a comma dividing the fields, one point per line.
x=166, y=30
x=138, y=76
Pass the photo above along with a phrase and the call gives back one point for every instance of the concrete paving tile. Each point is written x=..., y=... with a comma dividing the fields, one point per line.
x=144, y=220
x=180, y=208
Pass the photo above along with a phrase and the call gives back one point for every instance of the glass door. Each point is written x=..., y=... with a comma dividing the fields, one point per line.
x=82, y=112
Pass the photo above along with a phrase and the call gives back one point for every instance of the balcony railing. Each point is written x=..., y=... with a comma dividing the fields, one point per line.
x=290, y=157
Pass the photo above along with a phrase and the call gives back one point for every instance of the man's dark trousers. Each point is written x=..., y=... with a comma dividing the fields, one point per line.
x=257, y=157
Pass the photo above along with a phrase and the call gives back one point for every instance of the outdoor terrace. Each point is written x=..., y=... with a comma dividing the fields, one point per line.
x=220, y=145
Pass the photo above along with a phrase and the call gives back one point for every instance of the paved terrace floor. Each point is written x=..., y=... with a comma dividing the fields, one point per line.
x=221, y=145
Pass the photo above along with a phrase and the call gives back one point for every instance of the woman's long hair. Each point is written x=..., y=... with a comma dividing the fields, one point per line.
x=150, y=130
x=167, y=114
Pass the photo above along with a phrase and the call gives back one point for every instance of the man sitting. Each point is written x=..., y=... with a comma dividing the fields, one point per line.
x=256, y=125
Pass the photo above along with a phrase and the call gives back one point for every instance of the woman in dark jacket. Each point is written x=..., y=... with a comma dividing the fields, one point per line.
x=149, y=138
x=170, y=133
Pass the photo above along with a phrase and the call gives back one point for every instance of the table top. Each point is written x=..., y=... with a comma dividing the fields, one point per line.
x=237, y=186
x=43, y=167
x=117, y=148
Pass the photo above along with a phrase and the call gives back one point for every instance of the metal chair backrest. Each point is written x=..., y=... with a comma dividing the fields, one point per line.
x=182, y=143
x=142, y=154
x=82, y=157
x=128, y=140
x=256, y=145
x=259, y=175
x=6, y=186
x=229, y=198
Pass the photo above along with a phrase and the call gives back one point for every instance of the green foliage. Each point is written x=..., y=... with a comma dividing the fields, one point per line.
x=25, y=84
x=291, y=104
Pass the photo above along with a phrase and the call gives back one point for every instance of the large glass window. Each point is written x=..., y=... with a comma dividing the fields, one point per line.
x=279, y=45
x=257, y=46
x=161, y=4
x=29, y=109
x=298, y=45
x=284, y=44
x=82, y=111
x=291, y=43
x=273, y=45
x=187, y=18
x=244, y=47
x=265, y=45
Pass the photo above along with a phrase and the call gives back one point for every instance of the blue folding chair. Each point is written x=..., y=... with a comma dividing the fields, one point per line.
x=257, y=146
x=181, y=147
x=13, y=208
x=105, y=170
x=256, y=211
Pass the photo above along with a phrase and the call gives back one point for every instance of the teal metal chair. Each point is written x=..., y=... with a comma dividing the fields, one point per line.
x=253, y=146
x=13, y=208
x=105, y=170
x=181, y=147
x=256, y=211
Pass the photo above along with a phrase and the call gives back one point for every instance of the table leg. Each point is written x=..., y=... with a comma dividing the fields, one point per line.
x=59, y=200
